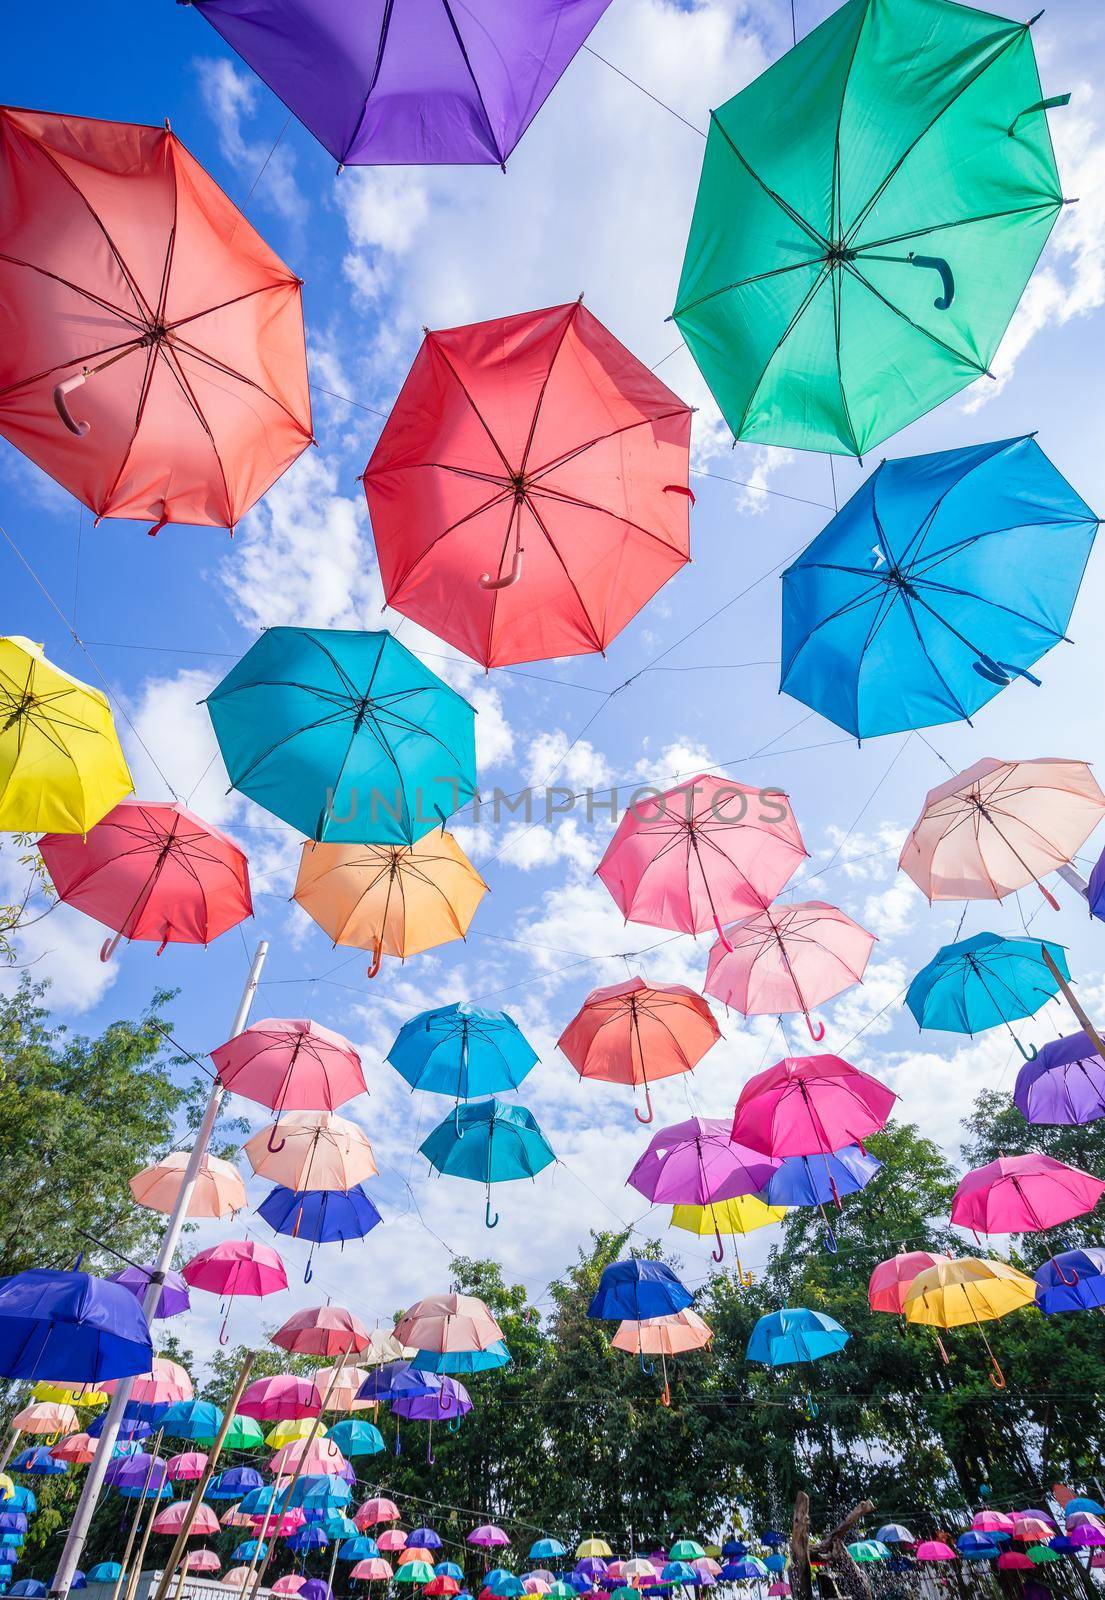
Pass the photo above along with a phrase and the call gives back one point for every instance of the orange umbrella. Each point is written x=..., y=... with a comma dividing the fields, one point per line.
x=394, y=900
x=159, y=368
x=671, y=1335
x=219, y=1190
x=1000, y=826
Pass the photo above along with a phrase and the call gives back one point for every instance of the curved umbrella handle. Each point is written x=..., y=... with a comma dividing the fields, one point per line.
x=721, y=935
x=813, y=1410
x=679, y=488
x=745, y=1279
x=109, y=947
x=816, y=1033
x=649, y=1113
x=830, y=1237
x=665, y=1394
x=62, y=409
x=487, y=1222
x=940, y=265
x=996, y=1376
x=377, y=957
x=647, y=1367
x=512, y=577
x=308, y=1271
x=275, y=1148
x=945, y=1358
x=224, y=1331
x=1030, y=1054
x=453, y=1424
x=719, y=1253
x=1072, y=1280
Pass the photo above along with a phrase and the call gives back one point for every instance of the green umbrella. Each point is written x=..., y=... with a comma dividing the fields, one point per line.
x=416, y=1572
x=869, y=212
x=244, y=1433
x=685, y=1550
x=1041, y=1554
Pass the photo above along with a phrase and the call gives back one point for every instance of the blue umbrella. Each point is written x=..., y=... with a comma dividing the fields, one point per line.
x=339, y=1526
x=30, y=1588
x=679, y=1572
x=25, y=1498
x=821, y=1180
x=323, y=1491
x=424, y=1539
x=773, y=1538
x=250, y=1548
x=733, y=1550
x=78, y=1580
x=894, y=1533
x=71, y=1326
x=944, y=577
x=309, y=1537
x=356, y=1438
x=1083, y=1503
x=1062, y=1544
x=197, y=1420
x=234, y=1483
x=546, y=1550
x=13, y=1521
x=1073, y=1280
x=488, y=1142
x=982, y=981
x=974, y=1546
x=345, y=735
x=316, y=1589
x=462, y=1051
x=104, y=1572
x=784, y=1338
x=449, y=1569
x=362, y=1548
x=740, y=1571
x=38, y=1461
x=634, y=1290
x=383, y=1382
x=321, y=1215
x=130, y=1428
x=496, y=1355
x=776, y=1562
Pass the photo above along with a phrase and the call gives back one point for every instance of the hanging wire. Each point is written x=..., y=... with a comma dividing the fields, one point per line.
x=648, y=92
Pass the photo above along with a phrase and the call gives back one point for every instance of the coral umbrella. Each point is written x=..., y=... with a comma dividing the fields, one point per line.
x=320, y=1215
x=528, y=493
x=78, y=1328
x=979, y=982
x=152, y=871
x=289, y=1583
x=488, y=1142
x=291, y=1065
x=704, y=853
x=953, y=1294
x=1000, y=826
x=891, y=1280
x=375, y=1511
x=322, y=1331
x=448, y=1322
x=462, y=1051
x=236, y=1267
x=372, y=1570
x=671, y=1335
x=788, y=958
x=76, y=1451
x=48, y=1418
x=454, y=87
x=281, y=1398
x=810, y=1105
x=175, y=1518
x=61, y=765
x=160, y=368
x=741, y=1215
x=318, y=1150
x=218, y=1192
x=1064, y=1085
x=341, y=1386
x=393, y=900
x=393, y=1540
x=637, y=1033
x=173, y=1297
x=696, y=1162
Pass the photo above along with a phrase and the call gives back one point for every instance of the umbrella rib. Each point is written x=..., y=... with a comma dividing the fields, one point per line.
x=475, y=409
x=596, y=640
x=547, y=379
x=559, y=497
x=224, y=305
x=958, y=222
x=785, y=206
x=504, y=495
x=461, y=46
x=580, y=449
x=941, y=344
x=783, y=337
x=78, y=289
x=993, y=605
x=742, y=283
x=207, y=359
x=838, y=318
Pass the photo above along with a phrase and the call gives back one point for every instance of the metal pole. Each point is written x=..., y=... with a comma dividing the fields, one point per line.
x=86, y=1506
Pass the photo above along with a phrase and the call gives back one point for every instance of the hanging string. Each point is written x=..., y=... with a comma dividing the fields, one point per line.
x=647, y=92
x=264, y=164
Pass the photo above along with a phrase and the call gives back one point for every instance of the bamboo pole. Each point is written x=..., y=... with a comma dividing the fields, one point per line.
x=259, y=1538
x=1072, y=1001
x=138, y=1518
x=197, y=1494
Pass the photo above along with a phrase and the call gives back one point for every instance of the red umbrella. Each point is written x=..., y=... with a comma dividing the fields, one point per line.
x=891, y=1280
x=153, y=360
x=152, y=871
x=810, y=1105
x=528, y=493
x=322, y=1331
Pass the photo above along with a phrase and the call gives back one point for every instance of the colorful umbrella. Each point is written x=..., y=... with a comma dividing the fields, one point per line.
x=291, y=1065
x=281, y=1398
x=322, y=1331
x=934, y=1550
x=488, y=1142
x=448, y=1322
x=341, y=1385
x=952, y=1294
x=315, y=1458
x=218, y=1192
x=355, y=1437
x=870, y=210
x=165, y=1384
x=696, y=1162
x=636, y=1290
x=788, y=958
x=76, y=1328
x=321, y=1215
x=136, y=282
x=154, y=872
x=236, y=1267
x=197, y=1420
x=741, y=1215
x=1064, y=1085
x=318, y=1150
x=77, y=1451
x=488, y=1537
x=671, y=1335
x=61, y=765
x=375, y=1511
x=39, y=1461
x=792, y=1335
x=821, y=1180
x=528, y=493
x=1001, y=825
x=635, y=1032
x=890, y=1284
x=1073, y=1280
x=461, y=1051
x=943, y=578
x=173, y=1296
x=374, y=1570
x=345, y=735
x=295, y=1428
x=704, y=853
x=175, y=1518
x=1023, y=1194
x=810, y=1105
x=462, y=1361
x=979, y=982
x=394, y=900
x=201, y=1561
x=48, y=1417
x=358, y=1548
x=445, y=1400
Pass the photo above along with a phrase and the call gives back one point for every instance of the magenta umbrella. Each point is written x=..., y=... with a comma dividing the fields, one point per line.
x=810, y=1105
x=290, y=1064
x=237, y=1266
x=281, y=1398
x=696, y=1163
x=1025, y=1194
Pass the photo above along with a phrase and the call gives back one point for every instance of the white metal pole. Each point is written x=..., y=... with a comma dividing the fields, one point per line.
x=86, y=1506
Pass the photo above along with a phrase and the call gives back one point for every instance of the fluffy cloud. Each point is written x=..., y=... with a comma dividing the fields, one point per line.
x=230, y=95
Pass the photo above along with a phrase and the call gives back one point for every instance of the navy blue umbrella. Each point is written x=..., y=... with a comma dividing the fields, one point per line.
x=633, y=1290
x=70, y=1327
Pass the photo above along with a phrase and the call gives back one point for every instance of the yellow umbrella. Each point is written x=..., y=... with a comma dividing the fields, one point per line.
x=394, y=900
x=7, y=1486
x=954, y=1293
x=71, y=1394
x=293, y=1428
x=61, y=765
x=593, y=1548
x=739, y=1216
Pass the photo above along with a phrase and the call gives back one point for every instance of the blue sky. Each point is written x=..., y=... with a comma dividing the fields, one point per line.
x=597, y=198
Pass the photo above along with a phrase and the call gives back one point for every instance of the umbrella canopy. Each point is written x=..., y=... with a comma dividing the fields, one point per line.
x=107, y=1572
x=1073, y=1280
x=462, y=1051
x=1064, y=1085
x=671, y=1335
x=340, y=1386
x=1023, y=1194
x=817, y=1180
x=218, y=1191
x=488, y=1142
x=165, y=1384
x=893, y=1532
x=321, y=1331
x=696, y=1163
x=945, y=577
x=394, y=900
x=528, y=493
x=281, y=1398
x=39, y=1461
x=315, y=1458
x=740, y=1215
x=375, y=1511
x=810, y=1105
x=359, y=1548
x=788, y=958
x=1001, y=825
x=161, y=370
x=355, y=1437
x=417, y=88
x=71, y=1326
x=61, y=765
x=236, y=1267
x=448, y=1322
x=321, y=1215
x=197, y=1420
x=783, y=1338
x=456, y=1361
x=435, y=1398
x=49, y=1417
x=635, y=1290
x=890, y=1284
x=233, y=1484
x=345, y=735
x=952, y=1294
x=291, y=1065
x=488, y=1537
x=934, y=1550
x=172, y=1298
x=154, y=872
x=374, y=1570
x=295, y=1428
x=979, y=982
x=317, y=1150
x=77, y=1450
x=704, y=853
x=175, y=1518
x=637, y=1033
x=861, y=235
x=202, y=1561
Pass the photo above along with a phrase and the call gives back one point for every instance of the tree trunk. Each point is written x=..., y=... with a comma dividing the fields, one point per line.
x=801, y=1578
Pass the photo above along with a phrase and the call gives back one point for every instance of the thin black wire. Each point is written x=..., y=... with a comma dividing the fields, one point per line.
x=264, y=164
x=648, y=92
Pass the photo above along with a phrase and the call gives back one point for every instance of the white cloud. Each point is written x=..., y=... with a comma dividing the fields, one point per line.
x=63, y=948
x=231, y=97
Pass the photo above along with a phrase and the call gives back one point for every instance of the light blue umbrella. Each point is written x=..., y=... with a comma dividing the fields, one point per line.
x=361, y=1548
x=345, y=735
x=784, y=1338
x=452, y=1361
x=104, y=1572
x=462, y=1051
x=488, y=1142
x=546, y=1550
x=354, y=1437
x=944, y=577
x=980, y=982
x=339, y=1526
x=821, y=1180
x=250, y=1548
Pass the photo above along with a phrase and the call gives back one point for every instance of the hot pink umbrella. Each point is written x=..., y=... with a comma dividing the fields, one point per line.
x=372, y=1512
x=392, y=1540
x=320, y=1459
x=701, y=855
x=775, y=1590
x=289, y=1522
x=1025, y=1194
x=1011, y=1561
x=891, y=1279
x=290, y=1583
x=291, y=1065
x=992, y=1522
x=934, y=1550
x=323, y=1331
x=202, y=1561
x=374, y=1570
x=488, y=1537
x=697, y=1162
x=237, y=1267
x=788, y=958
x=188, y=1467
x=635, y=1032
x=280, y=1398
x=810, y=1105
x=174, y=1517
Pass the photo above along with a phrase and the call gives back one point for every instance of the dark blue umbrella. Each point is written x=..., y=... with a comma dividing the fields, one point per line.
x=13, y=1521
x=71, y=1327
x=323, y=1216
x=28, y=1587
x=1073, y=1280
x=1064, y=1084
x=234, y=1483
x=309, y=1537
x=38, y=1461
x=385, y=1382
x=633, y=1290
x=820, y=1181
x=129, y=1427
x=734, y=1550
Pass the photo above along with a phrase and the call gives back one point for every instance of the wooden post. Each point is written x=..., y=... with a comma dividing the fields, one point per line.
x=1075, y=1005
x=832, y=1550
x=197, y=1494
x=156, y=1446
x=801, y=1577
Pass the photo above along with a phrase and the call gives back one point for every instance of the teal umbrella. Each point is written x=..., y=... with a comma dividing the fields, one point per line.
x=345, y=736
x=488, y=1142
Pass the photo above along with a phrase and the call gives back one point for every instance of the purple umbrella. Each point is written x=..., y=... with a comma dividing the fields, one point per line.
x=695, y=1163
x=440, y=1399
x=173, y=1298
x=1065, y=1083
x=591, y=1568
x=427, y=82
x=130, y=1472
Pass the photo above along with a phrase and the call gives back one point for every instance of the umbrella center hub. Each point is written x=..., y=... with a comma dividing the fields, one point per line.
x=519, y=485
x=837, y=253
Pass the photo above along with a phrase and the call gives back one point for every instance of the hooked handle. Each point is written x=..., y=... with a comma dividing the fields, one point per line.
x=62, y=409
x=647, y=1367
x=649, y=1113
x=511, y=578
x=940, y=265
x=275, y=1148
x=721, y=935
x=719, y=1253
x=996, y=1376
x=817, y=1030
x=680, y=488
x=1072, y=1280
x=109, y=947
x=487, y=1222
x=665, y=1394
x=377, y=957
x=813, y=1410
x=1030, y=1053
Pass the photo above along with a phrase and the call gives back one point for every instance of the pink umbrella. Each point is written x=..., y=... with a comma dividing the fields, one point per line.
x=281, y=1398
x=487, y=1536
x=235, y=1517
x=702, y=854
x=290, y=1583
x=237, y=1267
x=219, y=1190
x=891, y=1280
x=164, y=1385
x=268, y=1526
x=788, y=958
x=174, y=1518
x=992, y=1522
x=1025, y=1194
x=340, y=1385
x=323, y=1331
x=188, y=1467
x=374, y=1570
x=376, y=1511
x=201, y=1561
x=320, y=1459
x=1012, y=1561
x=237, y=1577
x=934, y=1550
x=697, y=1162
x=290, y=1065
x=635, y=1032
x=393, y=1540
x=78, y=1449
x=810, y=1105
x=448, y=1322
x=775, y=1590
x=1030, y=1530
